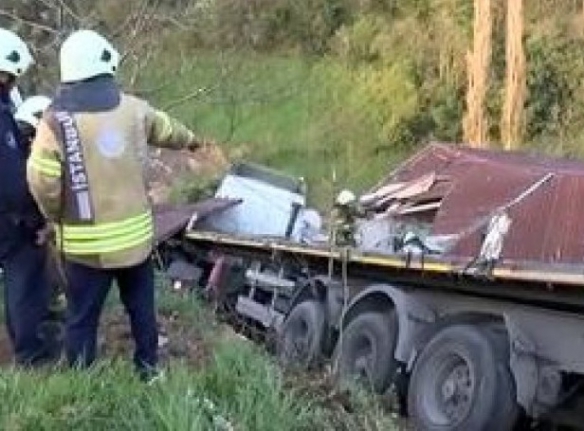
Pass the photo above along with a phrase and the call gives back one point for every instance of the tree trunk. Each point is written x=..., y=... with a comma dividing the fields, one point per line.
x=475, y=123
x=513, y=121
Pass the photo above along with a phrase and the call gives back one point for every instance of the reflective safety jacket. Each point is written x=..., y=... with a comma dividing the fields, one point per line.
x=86, y=173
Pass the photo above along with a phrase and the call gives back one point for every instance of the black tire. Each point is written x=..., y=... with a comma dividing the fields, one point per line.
x=461, y=382
x=508, y=411
x=301, y=337
x=366, y=352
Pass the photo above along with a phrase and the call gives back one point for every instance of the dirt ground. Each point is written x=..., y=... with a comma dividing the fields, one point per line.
x=177, y=340
x=115, y=340
x=5, y=349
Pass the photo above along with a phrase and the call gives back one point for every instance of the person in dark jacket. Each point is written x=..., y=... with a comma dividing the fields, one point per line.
x=28, y=115
x=22, y=252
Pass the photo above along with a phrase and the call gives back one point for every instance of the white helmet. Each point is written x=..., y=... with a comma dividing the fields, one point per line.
x=15, y=57
x=346, y=197
x=31, y=110
x=86, y=54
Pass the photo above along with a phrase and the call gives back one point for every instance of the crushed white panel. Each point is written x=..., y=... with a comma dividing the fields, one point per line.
x=265, y=209
x=376, y=235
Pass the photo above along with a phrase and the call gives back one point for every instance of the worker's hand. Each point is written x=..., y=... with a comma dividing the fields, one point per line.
x=197, y=144
x=194, y=146
x=44, y=235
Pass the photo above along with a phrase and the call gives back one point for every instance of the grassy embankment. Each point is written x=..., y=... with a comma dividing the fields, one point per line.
x=306, y=117
x=214, y=381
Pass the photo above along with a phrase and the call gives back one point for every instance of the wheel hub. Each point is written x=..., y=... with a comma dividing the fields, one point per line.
x=456, y=392
x=362, y=366
x=362, y=361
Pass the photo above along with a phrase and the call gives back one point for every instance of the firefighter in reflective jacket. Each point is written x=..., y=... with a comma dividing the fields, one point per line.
x=22, y=254
x=344, y=215
x=86, y=172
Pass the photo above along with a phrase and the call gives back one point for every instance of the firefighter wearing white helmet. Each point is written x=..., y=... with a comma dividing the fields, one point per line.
x=28, y=115
x=31, y=110
x=86, y=54
x=15, y=57
x=85, y=171
x=22, y=256
x=344, y=216
x=346, y=197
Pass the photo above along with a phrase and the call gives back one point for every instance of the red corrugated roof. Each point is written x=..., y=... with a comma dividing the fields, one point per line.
x=548, y=225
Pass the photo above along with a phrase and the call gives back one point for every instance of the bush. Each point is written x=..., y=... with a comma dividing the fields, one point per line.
x=193, y=188
x=555, y=86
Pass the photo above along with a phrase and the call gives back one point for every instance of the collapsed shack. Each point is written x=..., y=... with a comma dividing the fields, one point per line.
x=450, y=198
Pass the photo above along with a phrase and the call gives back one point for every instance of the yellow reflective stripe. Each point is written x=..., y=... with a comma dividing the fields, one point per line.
x=116, y=236
x=106, y=229
x=108, y=246
x=44, y=170
x=166, y=124
x=45, y=166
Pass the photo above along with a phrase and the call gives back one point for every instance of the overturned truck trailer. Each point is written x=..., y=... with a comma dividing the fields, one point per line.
x=464, y=292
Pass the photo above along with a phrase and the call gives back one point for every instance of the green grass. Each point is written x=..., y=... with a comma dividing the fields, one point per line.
x=306, y=117
x=240, y=380
x=244, y=386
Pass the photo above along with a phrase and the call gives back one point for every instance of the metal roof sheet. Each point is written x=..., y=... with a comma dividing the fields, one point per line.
x=547, y=225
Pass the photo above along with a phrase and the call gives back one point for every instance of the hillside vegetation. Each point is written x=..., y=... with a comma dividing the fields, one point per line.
x=329, y=89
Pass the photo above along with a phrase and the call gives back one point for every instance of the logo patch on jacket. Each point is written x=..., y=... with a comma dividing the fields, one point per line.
x=10, y=140
x=110, y=144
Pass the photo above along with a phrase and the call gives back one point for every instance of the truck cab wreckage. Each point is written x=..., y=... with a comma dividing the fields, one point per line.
x=463, y=290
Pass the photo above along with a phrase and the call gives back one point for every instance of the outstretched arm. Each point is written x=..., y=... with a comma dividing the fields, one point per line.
x=165, y=131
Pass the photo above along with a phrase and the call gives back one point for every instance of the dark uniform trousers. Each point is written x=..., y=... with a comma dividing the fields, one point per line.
x=26, y=295
x=26, y=287
x=86, y=293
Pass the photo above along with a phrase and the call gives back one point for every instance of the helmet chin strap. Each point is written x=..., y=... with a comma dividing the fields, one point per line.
x=7, y=81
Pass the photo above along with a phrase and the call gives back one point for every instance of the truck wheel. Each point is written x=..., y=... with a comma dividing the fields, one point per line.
x=461, y=382
x=301, y=337
x=365, y=353
x=508, y=411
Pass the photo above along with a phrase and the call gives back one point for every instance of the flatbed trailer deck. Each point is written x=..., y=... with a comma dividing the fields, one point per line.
x=562, y=285
x=476, y=324
x=417, y=314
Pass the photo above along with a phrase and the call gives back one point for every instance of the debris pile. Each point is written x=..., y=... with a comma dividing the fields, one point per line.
x=451, y=199
x=166, y=167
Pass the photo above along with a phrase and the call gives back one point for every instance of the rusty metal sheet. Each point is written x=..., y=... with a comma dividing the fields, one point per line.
x=548, y=225
x=171, y=219
x=550, y=228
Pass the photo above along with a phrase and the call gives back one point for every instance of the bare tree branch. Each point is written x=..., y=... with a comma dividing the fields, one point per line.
x=29, y=22
x=193, y=95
